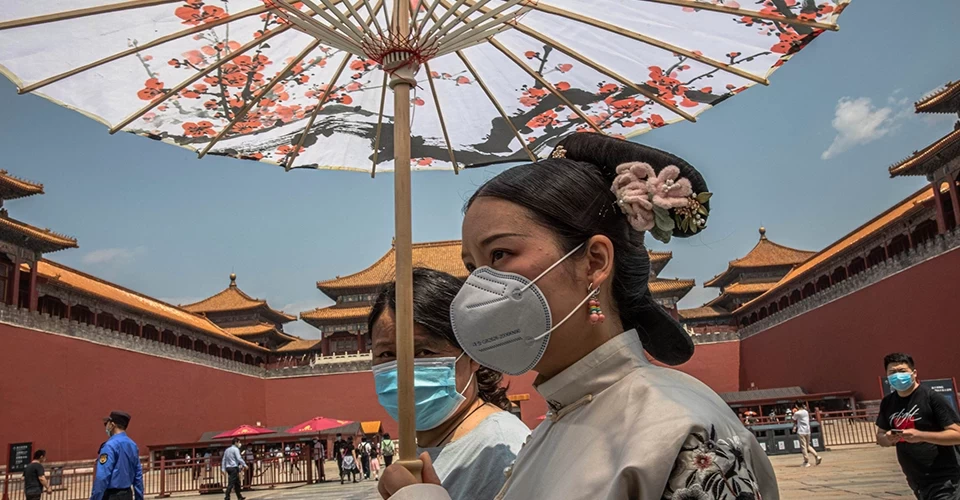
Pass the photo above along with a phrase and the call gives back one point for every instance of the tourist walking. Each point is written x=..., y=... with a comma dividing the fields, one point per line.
x=388, y=447
x=924, y=428
x=801, y=424
x=350, y=466
x=463, y=419
x=559, y=284
x=338, y=453
x=34, y=481
x=364, y=451
x=232, y=463
x=375, y=462
x=118, y=473
x=319, y=456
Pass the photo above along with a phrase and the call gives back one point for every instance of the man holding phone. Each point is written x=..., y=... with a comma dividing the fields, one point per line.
x=924, y=428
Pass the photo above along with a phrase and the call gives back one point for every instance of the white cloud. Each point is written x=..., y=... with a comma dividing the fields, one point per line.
x=859, y=122
x=113, y=255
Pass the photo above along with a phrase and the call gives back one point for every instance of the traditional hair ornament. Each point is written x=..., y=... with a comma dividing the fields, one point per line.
x=559, y=152
x=659, y=203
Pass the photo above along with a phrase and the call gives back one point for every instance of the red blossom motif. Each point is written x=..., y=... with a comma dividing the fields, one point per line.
x=153, y=88
x=423, y=162
x=417, y=101
x=563, y=68
x=545, y=119
x=195, y=12
x=608, y=88
x=287, y=149
x=562, y=86
x=530, y=54
x=199, y=129
x=656, y=121
x=462, y=80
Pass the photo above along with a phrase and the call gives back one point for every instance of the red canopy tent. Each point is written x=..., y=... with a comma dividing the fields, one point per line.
x=317, y=424
x=244, y=430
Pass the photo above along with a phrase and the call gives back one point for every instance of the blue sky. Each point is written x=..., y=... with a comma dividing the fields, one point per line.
x=806, y=157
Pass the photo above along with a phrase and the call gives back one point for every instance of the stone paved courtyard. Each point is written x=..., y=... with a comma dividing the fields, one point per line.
x=847, y=473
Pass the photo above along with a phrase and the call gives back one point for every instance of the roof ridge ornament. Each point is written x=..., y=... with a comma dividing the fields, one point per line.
x=763, y=233
x=233, y=280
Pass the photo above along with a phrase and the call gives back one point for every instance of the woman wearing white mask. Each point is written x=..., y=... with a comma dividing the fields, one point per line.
x=558, y=285
x=461, y=419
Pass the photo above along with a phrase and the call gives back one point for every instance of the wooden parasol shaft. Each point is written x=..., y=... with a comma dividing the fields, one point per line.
x=404, y=251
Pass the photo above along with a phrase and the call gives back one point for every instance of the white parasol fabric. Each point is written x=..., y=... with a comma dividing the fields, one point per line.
x=508, y=78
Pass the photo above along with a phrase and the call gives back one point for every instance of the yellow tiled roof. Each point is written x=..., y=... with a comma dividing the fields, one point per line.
x=48, y=240
x=748, y=288
x=670, y=287
x=335, y=314
x=906, y=167
x=13, y=187
x=932, y=102
x=897, y=212
x=765, y=254
x=234, y=299
x=300, y=345
x=702, y=312
x=439, y=255
x=85, y=283
x=258, y=329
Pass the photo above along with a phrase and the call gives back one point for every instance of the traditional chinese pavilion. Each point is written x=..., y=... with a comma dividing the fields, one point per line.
x=245, y=317
x=745, y=279
x=344, y=327
x=23, y=246
x=939, y=161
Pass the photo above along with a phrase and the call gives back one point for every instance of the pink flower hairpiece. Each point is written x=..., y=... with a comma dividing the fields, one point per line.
x=648, y=200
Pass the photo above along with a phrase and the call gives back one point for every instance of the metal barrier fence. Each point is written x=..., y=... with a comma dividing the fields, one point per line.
x=837, y=427
x=163, y=477
x=848, y=427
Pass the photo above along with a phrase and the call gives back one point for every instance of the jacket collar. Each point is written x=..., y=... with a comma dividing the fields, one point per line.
x=596, y=371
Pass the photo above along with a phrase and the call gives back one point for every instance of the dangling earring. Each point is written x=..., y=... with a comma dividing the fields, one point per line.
x=596, y=314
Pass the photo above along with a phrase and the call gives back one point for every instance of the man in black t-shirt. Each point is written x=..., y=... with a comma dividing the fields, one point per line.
x=34, y=482
x=924, y=428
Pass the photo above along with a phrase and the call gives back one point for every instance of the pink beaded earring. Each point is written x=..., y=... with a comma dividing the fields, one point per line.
x=596, y=314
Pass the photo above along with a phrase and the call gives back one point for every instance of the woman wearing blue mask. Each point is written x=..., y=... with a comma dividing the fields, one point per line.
x=558, y=285
x=462, y=418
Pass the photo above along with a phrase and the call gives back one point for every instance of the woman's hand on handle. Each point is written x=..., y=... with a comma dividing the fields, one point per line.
x=397, y=477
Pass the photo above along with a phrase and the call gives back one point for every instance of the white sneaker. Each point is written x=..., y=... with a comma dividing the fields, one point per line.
x=806, y=464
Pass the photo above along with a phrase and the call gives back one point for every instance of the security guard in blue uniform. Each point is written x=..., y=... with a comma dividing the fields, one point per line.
x=119, y=474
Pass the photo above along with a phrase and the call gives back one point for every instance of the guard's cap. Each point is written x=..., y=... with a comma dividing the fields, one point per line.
x=118, y=417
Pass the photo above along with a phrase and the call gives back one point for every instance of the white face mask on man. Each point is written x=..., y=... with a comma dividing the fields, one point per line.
x=502, y=320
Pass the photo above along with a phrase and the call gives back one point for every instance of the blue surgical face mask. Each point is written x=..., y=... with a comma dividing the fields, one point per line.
x=435, y=389
x=900, y=381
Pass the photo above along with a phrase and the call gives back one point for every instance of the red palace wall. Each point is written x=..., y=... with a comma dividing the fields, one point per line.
x=841, y=345
x=715, y=364
x=55, y=391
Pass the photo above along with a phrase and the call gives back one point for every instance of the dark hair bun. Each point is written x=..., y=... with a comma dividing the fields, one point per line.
x=607, y=153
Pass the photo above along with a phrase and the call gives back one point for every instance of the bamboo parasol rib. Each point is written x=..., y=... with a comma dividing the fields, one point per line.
x=182, y=85
x=600, y=68
x=318, y=30
x=596, y=23
x=138, y=48
x=259, y=95
x=89, y=11
x=692, y=4
x=496, y=103
x=313, y=115
x=443, y=123
x=547, y=85
x=376, y=144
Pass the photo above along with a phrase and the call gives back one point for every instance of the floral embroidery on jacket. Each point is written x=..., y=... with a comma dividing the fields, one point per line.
x=712, y=469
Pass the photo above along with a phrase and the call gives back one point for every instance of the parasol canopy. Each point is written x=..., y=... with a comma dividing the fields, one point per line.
x=303, y=84
x=244, y=430
x=317, y=425
x=499, y=80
